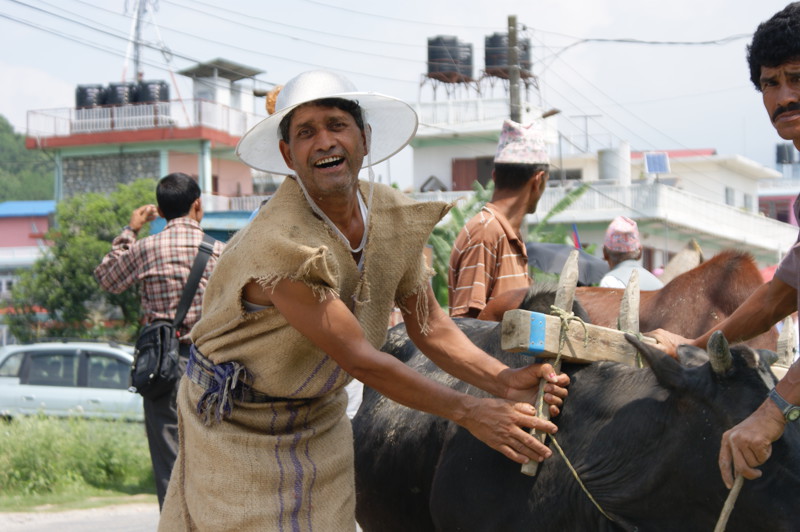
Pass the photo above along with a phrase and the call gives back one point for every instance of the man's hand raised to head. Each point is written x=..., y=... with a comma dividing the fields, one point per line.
x=142, y=215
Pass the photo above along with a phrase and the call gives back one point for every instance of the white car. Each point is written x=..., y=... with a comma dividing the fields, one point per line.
x=68, y=378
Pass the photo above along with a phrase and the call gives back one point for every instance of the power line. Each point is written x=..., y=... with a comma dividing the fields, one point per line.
x=637, y=118
x=316, y=31
x=206, y=39
x=394, y=19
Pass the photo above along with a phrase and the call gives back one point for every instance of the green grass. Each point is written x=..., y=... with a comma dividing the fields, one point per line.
x=72, y=463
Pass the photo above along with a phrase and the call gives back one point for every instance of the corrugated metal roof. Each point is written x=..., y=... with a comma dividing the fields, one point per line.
x=10, y=209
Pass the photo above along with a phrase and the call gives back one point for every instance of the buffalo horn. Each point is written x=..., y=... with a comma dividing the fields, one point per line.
x=719, y=353
x=769, y=357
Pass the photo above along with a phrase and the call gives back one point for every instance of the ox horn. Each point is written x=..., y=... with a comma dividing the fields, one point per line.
x=769, y=357
x=719, y=353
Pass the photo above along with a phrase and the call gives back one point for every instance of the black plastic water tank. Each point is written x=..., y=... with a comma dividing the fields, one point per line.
x=120, y=93
x=449, y=59
x=89, y=96
x=785, y=154
x=496, y=55
x=152, y=91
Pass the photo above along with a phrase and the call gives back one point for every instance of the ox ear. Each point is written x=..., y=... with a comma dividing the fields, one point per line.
x=691, y=356
x=769, y=357
x=667, y=370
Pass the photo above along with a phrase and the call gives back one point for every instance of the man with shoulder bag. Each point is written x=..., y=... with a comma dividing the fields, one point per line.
x=161, y=264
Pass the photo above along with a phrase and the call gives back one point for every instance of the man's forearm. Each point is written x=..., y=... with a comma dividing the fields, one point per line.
x=106, y=272
x=789, y=385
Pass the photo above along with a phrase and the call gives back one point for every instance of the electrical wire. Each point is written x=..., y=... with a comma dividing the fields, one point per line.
x=700, y=183
x=315, y=31
x=394, y=19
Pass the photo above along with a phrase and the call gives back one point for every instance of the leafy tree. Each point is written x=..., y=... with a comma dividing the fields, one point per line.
x=445, y=233
x=25, y=174
x=62, y=282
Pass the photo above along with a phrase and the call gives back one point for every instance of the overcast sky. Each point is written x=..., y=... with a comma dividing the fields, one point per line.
x=654, y=96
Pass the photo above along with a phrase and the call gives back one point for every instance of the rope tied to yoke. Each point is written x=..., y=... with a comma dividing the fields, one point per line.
x=578, y=478
x=566, y=317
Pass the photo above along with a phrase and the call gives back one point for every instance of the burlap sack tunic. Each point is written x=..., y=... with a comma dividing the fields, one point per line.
x=288, y=465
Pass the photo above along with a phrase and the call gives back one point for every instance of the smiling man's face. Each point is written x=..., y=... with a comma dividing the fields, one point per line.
x=780, y=89
x=325, y=148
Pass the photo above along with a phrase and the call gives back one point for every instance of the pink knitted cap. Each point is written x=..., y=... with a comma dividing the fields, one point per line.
x=622, y=235
x=521, y=145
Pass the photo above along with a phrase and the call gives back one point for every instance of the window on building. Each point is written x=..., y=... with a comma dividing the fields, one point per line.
x=730, y=196
x=748, y=202
x=570, y=176
x=467, y=171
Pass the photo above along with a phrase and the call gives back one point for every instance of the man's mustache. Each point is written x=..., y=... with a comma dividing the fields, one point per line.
x=794, y=106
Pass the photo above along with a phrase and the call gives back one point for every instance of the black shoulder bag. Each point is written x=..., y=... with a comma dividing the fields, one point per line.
x=155, y=368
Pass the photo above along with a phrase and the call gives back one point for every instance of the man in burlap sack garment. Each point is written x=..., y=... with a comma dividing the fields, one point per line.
x=264, y=440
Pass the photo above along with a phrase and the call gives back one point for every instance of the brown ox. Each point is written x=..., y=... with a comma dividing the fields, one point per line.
x=689, y=305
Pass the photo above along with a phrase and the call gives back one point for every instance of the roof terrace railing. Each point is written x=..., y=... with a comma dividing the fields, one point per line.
x=183, y=114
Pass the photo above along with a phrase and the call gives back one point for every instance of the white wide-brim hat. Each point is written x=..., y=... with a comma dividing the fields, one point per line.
x=390, y=123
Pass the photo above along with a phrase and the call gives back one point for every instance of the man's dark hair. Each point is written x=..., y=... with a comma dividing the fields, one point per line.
x=512, y=176
x=175, y=194
x=775, y=42
x=350, y=106
x=615, y=257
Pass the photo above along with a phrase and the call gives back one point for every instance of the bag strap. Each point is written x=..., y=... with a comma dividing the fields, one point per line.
x=203, y=253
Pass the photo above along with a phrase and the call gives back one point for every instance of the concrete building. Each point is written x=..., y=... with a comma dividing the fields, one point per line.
x=699, y=194
x=127, y=131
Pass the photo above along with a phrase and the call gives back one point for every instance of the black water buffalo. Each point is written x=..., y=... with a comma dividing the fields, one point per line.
x=643, y=441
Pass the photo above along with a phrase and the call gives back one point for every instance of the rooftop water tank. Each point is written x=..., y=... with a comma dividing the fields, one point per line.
x=785, y=154
x=120, y=93
x=614, y=164
x=449, y=60
x=152, y=91
x=87, y=96
x=496, y=53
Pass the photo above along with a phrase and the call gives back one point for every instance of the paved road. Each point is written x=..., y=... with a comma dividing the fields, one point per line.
x=135, y=517
x=119, y=518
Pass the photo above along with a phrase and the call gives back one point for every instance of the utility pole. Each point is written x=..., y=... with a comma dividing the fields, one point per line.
x=513, y=69
x=141, y=8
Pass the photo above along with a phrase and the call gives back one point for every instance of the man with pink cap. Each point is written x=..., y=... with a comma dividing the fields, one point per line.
x=489, y=255
x=622, y=250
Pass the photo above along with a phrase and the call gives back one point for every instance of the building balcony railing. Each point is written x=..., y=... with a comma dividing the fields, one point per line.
x=182, y=114
x=462, y=111
x=656, y=201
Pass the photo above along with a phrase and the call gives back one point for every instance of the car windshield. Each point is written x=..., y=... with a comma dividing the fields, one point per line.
x=10, y=366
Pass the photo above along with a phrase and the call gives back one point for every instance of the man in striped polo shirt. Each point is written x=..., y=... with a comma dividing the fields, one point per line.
x=489, y=255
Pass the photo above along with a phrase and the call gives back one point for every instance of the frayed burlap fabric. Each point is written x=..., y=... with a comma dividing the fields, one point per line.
x=288, y=465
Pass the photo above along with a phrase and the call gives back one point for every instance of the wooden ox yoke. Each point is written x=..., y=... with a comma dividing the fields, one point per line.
x=539, y=334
